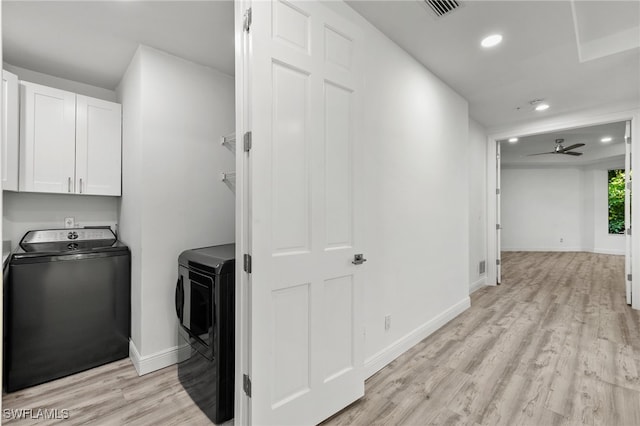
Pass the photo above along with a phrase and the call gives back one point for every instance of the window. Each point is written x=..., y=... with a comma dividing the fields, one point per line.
x=616, y=201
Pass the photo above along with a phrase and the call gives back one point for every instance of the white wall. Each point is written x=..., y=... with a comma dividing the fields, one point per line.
x=24, y=211
x=587, y=210
x=174, y=114
x=416, y=198
x=61, y=83
x=542, y=205
x=477, y=203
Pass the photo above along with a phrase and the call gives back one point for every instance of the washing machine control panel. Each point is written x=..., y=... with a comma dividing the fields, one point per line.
x=57, y=235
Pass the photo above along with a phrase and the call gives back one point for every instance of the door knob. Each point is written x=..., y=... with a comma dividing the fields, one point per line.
x=358, y=259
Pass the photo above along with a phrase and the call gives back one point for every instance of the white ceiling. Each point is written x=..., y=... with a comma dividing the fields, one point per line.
x=592, y=18
x=538, y=58
x=594, y=150
x=93, y=41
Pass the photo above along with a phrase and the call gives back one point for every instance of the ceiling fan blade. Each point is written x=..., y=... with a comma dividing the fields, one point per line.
x=542, y=153
x=572, y=153
x=577, y=145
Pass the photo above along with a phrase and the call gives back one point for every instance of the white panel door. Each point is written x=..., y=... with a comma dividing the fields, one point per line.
x=98, y=146
x=10, y=143
x=498, y=218
x=47, y=139
x=307, y=334
x=627, y=210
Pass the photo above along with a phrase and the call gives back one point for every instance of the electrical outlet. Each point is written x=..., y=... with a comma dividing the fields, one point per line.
x=69, y=222
x=562, y=240
x=387, y=322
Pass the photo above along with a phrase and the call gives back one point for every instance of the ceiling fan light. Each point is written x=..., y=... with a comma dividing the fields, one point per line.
x=542, y=107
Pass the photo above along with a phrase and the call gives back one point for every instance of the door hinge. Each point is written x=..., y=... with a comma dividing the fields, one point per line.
x=498, y=226
x=628, y=277
x=247, y=20
x=246, y=384
x=247, y=263
x=497, y=262
x=247, y=141
x=629, y=231
x=497, y=191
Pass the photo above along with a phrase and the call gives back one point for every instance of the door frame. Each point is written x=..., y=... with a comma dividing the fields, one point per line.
x=242, y=402
x=498, y=203
x=1, y=228
x=565, y=122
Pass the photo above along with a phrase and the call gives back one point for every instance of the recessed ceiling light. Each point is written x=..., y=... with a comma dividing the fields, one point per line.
x=542, y=107
x=606, y=139
x=491, y=40
x=513, y=140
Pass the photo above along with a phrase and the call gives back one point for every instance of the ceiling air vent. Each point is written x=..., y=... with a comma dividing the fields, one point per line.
x=442, y=7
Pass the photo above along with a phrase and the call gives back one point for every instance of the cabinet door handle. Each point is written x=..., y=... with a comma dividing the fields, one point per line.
x=69, y=185
x=81, y=185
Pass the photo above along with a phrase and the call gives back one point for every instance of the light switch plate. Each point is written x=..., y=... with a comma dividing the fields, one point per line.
x=69, y=222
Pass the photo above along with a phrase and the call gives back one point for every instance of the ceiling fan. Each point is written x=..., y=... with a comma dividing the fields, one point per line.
x=562, y=150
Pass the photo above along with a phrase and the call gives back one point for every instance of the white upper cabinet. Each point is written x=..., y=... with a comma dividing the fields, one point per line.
x=98, y=146
x=47, y=139
x=68, y=143
x=10, y=124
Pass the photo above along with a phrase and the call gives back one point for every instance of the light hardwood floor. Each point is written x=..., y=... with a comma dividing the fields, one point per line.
x=554, y=344
x=113, y=394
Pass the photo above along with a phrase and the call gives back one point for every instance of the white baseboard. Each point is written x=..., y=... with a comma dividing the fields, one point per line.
x=609, y=251
x=586, y=250
x=478, y=284
x=376, y=362
x=544, y=249
x=158, y=360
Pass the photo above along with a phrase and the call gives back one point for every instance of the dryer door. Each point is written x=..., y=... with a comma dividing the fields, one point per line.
x=195, y=309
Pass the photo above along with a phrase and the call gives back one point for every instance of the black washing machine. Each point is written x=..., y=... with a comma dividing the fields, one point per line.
x=205, y=306
x=67, y=304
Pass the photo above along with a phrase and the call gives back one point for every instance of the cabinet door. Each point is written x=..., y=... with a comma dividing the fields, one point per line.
x=10, y=143
x=47, y=139
x=98, y=147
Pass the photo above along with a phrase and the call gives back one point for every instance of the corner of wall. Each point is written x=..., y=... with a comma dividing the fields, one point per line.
x=158, y=360
x=129, y=94
x=478, y=284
